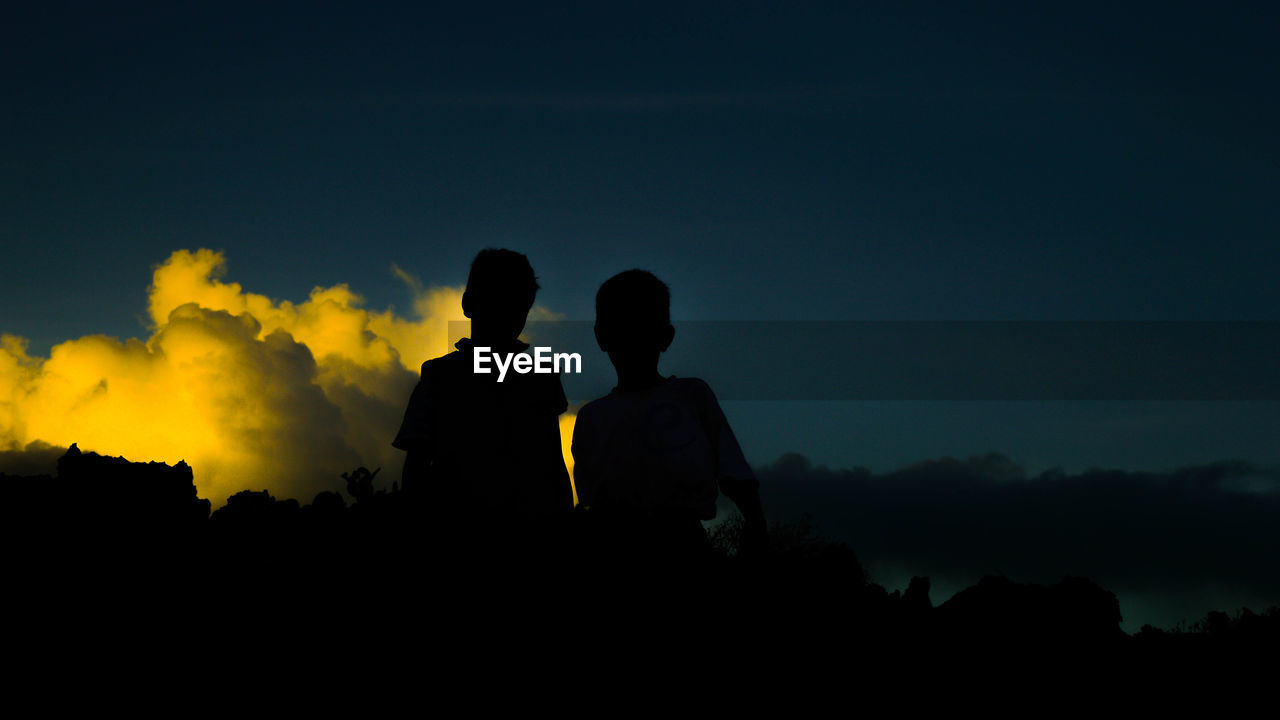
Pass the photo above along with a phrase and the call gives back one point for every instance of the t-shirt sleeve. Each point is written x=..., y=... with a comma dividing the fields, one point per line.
x=730, y=462
x=415, y=430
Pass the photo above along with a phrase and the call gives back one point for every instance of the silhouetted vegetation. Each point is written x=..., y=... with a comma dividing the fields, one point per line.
x=134, y=542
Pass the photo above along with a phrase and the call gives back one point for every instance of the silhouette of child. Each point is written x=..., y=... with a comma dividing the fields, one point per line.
x=652, y=456
x=475, y=444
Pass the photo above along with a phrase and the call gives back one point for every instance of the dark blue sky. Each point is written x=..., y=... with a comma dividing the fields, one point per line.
x=770, y=161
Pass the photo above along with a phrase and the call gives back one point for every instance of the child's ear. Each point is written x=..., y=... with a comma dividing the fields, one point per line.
x=668, y=334
x=600, y=337
x=466, y=304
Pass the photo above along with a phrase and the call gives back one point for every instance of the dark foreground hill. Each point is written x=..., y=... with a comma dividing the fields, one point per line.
x=128, y=551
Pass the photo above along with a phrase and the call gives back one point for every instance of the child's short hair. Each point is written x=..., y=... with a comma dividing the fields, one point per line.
x=502, y=278
x=635, y=296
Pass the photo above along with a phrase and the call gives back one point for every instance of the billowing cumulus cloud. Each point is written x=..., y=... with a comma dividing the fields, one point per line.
x=252, y=392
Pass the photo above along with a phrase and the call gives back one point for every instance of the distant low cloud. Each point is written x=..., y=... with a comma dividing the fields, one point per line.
x=1207, y=526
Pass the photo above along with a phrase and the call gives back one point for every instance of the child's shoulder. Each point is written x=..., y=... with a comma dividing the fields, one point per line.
x=690, y=385
x=454, y=375
x=690, y=389
x=446, y=365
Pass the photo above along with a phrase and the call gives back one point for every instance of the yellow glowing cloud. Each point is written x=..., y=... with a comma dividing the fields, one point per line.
x=566, y=442
x=253, y=393
x=330, y=322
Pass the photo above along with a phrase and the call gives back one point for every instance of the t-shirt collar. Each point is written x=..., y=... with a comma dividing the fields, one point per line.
x=664, y=381
x=466, y=344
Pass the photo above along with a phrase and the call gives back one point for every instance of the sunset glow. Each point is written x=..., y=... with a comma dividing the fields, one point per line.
x=252, y=392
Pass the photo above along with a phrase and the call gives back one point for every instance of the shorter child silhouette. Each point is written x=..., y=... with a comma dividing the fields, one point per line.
x=651, y=457
x=476, y=445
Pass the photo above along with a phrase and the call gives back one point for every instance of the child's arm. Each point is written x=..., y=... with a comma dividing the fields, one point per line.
x=735, y=477
x=414, y=438
x=414, y=478
x=745, y=493
x=584, y=453
x=553, y=446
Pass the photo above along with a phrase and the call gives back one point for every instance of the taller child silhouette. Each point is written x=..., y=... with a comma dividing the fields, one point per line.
x=479, y=446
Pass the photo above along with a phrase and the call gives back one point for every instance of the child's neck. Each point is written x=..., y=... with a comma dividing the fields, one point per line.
x=632, y=380
x=480, y=338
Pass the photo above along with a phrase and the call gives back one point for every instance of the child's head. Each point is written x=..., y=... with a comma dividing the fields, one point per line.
x=500, y=291
x=633, y=319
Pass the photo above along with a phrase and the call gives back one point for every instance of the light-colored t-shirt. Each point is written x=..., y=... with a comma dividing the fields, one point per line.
x=662, y=449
